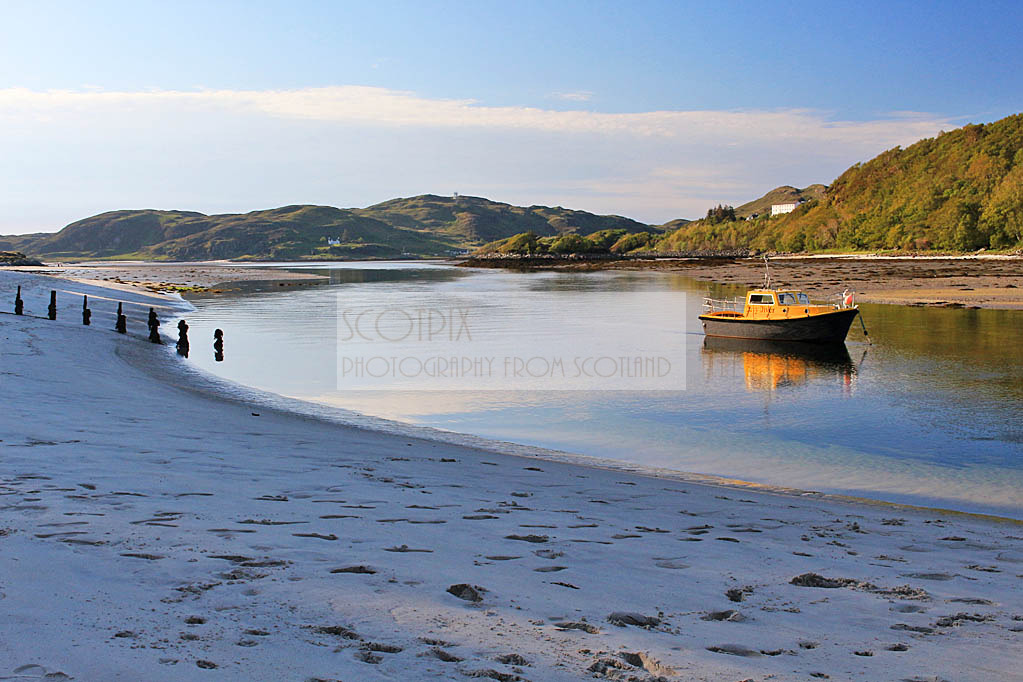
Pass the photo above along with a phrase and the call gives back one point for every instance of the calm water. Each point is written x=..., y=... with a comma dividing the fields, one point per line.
x=931, y=413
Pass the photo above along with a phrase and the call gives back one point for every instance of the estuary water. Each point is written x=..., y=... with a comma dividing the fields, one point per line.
x=615, y=365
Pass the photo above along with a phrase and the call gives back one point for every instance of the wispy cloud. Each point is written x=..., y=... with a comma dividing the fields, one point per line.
x=380, y=106
x=240, y=149
x=577, y=96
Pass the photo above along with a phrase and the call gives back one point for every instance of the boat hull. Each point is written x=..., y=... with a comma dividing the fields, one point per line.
x=824, y=328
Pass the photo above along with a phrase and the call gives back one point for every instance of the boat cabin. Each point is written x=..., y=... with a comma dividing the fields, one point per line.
x=771, y=304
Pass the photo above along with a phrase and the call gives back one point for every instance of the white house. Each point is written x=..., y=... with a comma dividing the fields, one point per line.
x=789, y=207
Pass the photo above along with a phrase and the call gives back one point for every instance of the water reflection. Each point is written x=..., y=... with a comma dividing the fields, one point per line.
x=367, y=275
x=931, y=413
x=773, y=365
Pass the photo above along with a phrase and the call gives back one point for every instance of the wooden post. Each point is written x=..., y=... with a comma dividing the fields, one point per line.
x=19, y=305
x=218, y=345
x=182, y=344
x=122, y=322
x=51, y=310
x=86, y=313
x=154, y=327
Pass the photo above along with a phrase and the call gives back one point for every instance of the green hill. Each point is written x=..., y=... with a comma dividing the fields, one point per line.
x=18, y=242
x=960, y=191
x=420, y=226
x=779, y=195
x=609, y=241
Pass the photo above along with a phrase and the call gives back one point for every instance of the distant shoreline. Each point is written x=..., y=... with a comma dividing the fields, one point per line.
x=977, y=281
x=980, y=280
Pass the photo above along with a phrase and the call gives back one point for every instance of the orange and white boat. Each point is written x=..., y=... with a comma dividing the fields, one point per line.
x=779, y=315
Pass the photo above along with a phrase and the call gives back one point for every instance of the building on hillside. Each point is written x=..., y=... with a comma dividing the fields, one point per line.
x=787, y=207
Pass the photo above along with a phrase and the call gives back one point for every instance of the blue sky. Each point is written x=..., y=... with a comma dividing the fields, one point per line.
x=654, y=110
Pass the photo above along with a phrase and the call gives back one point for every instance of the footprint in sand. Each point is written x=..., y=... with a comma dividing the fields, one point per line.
x=90, y=543
x=383, y=648
x=318, y=536
x=670, y=564
x=734, y=650
x=972, y=600
x=927, y=576
x=528, y=538
x=268, y=522
x=63, y=534
x=442, y=655
x=548, y=553
x=470, y=593
x=355, y=569
x=731, y=616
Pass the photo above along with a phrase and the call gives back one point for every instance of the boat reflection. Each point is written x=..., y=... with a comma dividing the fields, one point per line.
x=773, y=365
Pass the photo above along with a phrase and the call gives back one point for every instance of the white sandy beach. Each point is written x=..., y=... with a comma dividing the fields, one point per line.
x=154, y=526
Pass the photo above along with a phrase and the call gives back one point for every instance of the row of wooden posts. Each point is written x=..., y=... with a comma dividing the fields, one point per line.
x=121, y=325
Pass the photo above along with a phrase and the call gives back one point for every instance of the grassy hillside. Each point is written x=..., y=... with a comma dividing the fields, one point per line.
x=612, y=241
x=419, y=226
x=779, y=195
x=961, y=191
x=18, y=242
x=474, y=220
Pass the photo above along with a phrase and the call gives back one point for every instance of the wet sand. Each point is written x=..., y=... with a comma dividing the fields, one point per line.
x=968, y=281
x=172, y=277
x=985, y=283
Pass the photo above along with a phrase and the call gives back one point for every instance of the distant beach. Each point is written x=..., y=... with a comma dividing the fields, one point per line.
x=986, y=282
x=981, y=281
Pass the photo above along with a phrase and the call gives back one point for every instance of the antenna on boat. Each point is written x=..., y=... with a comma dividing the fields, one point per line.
x=767, y=273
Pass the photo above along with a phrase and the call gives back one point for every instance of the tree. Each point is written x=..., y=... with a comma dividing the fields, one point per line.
x=720, y=214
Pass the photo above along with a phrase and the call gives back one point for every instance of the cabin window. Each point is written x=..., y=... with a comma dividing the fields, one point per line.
x=787, y=299
x=761, y=299
x=804, y=299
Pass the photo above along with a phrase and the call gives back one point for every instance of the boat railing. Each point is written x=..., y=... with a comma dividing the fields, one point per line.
x=840, y=300
x=736, y=305
x=719, y=305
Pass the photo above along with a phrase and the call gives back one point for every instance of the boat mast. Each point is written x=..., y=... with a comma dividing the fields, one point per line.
x=767, y=273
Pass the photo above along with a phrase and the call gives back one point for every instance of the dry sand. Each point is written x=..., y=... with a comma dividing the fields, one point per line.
x=170, y=277
x=159, y=524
